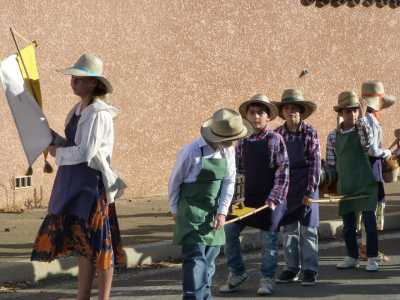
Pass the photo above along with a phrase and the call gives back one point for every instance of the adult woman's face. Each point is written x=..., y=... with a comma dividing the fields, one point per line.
x=83, y=86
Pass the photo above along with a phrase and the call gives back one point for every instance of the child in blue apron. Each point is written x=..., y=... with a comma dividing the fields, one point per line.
x=347, y=151
x=302, y=217
x=200, y=190
x=263, y=160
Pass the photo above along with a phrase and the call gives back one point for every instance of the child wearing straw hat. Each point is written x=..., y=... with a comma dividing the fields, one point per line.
x=200, y=190
x=301, y=220
x=347, y=151
x=374, y=93
x=263, y=159
x=82, y=218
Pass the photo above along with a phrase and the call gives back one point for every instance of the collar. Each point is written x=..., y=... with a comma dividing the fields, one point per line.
x=300, y=128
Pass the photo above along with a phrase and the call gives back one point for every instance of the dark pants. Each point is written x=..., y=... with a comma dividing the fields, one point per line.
x=349, y=233
x=198, y=270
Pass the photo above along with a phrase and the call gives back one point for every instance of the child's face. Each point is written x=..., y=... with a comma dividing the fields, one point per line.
x=349, y=115
x=258, y=116
x=291, y=113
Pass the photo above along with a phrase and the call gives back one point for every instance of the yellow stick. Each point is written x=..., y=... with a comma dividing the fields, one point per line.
x=248, y=214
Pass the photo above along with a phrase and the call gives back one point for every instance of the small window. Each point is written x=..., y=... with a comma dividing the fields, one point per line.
x=22, y=182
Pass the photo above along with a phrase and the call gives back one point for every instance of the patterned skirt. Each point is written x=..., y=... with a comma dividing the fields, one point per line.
x=97, y=239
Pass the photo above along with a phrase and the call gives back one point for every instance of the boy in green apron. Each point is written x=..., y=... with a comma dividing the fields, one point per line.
x=201, y=188
x=347, y=151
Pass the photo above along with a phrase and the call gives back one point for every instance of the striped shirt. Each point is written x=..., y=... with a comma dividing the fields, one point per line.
x=278, y=159
x=363, y=130
x=312, y=152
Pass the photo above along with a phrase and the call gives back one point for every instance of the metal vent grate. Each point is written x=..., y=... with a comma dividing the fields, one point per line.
x=23, y=182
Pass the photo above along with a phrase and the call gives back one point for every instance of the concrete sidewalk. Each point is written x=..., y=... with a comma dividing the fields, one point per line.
x=146, y=230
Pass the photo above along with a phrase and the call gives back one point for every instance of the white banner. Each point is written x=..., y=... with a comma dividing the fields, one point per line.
x=31, y=123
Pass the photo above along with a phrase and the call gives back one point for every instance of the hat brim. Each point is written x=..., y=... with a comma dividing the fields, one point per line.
x=273, y=111
x=210, y=137
x=308, y=106
x=338, y=108
x=80, y=73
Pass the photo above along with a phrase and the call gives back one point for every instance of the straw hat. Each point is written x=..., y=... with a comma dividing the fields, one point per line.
x=260, y=99
x=89, y=65
x=296, y=97
x=225, y=125
x=347, y=99
x=374, y=92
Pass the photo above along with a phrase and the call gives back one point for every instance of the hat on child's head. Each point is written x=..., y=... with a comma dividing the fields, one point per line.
x=296, y=97
x=374, y=93
x=225, y=125
x=259, y=99
x=346, y=100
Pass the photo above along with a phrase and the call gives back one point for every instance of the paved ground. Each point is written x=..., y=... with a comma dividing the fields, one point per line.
x=164, y=283
x=141, y=221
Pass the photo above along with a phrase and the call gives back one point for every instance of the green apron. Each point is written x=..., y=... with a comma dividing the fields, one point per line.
x=198, y=204
x=355, y=175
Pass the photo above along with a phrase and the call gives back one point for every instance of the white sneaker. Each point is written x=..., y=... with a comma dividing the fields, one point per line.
x=373, y=264
x=233, y=283
x=348, y=263
x=266, y=286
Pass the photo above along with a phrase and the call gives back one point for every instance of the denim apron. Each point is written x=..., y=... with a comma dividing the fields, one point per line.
x=299, y=168
x=198, y=204
x=259, y=181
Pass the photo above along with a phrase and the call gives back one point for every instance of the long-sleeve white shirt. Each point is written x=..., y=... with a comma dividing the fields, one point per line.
x=94, y=141
x=188, y=167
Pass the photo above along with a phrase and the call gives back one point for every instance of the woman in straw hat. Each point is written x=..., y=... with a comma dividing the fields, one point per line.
x=200, y=189
x=374, y=93
x=263, y=159
x=302, y=217
x=347, y=152
x=82, y=218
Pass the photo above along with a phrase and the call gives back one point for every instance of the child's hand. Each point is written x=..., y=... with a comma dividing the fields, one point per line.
x=219, y=221
x=307, y=200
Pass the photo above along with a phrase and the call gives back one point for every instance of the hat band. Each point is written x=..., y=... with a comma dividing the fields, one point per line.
x=292, y=99
x=82, y=68
x=374, y=95
x=227, y=135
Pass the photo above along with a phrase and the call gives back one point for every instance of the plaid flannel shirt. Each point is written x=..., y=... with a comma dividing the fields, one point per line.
x=312, y=152
x=278, y=159
x=363, y=130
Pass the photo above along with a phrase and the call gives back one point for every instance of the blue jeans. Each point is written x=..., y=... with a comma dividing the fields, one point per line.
x=269, y=260
x=198, y=270
x=349, y=233
x=301, y=247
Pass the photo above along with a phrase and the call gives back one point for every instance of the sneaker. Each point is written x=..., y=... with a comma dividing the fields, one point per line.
x=373, y=264
x=348, y=263
x=309, y=278
x=266, y=286
x=233, y=283
x=287, y=277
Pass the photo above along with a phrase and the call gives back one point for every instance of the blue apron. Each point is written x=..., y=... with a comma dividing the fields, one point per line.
x=76, y=187
x=259, y=181
x=299, y=166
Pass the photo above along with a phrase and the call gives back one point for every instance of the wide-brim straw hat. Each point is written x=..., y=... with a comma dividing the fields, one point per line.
x=296, y=97
x=89, y=65
x=225, y=125
x=347, y=100
x=374, y=93
x=259, y=99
